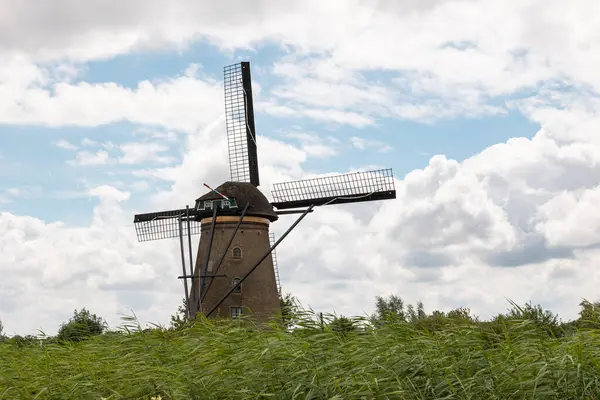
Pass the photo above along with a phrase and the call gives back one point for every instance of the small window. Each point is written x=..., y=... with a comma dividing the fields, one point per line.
x=234, y=282
x=237, y=253
x=236, y=312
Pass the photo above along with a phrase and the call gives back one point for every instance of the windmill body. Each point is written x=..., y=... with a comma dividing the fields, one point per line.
x=258, y=293
x=234, y=271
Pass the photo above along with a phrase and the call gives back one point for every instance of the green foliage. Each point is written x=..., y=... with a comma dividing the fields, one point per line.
x=180, y=319
x=544, y=319
x=388, y=310
x=342, y=325
x=226, y=360
x=82, y=325
x=290, y=310
x=402, y=353
x=22, y=341
x=589, y=315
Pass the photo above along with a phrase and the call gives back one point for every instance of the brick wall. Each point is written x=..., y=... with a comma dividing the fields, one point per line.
x=259, y=291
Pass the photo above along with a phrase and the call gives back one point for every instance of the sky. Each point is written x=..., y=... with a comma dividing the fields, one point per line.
x=486, y=110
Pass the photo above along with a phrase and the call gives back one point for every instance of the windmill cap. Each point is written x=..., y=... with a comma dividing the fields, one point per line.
x=244, y=192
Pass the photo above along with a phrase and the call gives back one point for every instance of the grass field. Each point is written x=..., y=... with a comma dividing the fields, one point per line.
x=517, y=360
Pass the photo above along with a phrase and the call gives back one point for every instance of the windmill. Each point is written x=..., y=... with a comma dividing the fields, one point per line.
x=234, y=271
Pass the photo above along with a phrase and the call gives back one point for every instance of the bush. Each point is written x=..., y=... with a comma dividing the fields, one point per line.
x=82, y=325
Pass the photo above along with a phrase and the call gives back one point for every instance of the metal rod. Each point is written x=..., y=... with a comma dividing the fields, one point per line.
x=205, y=265
x=227, y=247
x=217, y=192
x=285, y=212
x=261, y=260
x=194, y=276
x=185, y=284
x=321, y=319
x=187, y=214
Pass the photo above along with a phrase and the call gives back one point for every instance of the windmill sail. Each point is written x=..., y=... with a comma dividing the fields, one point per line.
x=165, y=225
x=239, y=117
x=338, y=189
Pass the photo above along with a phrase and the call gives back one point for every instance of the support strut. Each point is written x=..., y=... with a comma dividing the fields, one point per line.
x=227, y=248
x=185, y=283
x=187, y=212
x=309, y=209
x=205, y=266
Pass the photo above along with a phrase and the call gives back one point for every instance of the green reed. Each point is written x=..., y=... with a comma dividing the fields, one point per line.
x=234, y=360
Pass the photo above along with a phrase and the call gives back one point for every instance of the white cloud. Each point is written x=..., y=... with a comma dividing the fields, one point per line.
x=314, y=145
x=87, y=142
x=363, y=144
x=100, y=266
x=64, y=144
x=566, y=220
x=325, y=115
x=517, y=220
x=459, y=234
x=85, y=158
x=168, y=136
x=445, y=60
x=109, y=193
x=133, y=153
x=33, y=99
x=136, y=153
x=23, y=191
x=140, y=186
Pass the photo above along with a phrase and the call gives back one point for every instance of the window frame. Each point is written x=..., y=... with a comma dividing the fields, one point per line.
x=233, y=253
x=239, y=289
x=241, y=311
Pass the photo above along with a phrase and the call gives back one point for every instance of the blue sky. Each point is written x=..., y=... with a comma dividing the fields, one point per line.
x=32, y=160
x=334, y=83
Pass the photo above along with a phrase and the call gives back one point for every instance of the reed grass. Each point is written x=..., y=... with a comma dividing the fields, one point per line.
x=227, y=360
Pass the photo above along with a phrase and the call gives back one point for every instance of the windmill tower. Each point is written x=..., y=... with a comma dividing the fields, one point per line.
x=234, y=272
x=258, y=293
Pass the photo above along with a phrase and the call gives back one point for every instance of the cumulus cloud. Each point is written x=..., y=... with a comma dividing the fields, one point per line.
x=85, y=158
x=65, y=144
x=516, y=220
x=456, y=236
x=51, y=269
x=464, y=234
x=363, y=144
x=314, y=145
x=40, y=101
x=135, y=153
x=448, y=59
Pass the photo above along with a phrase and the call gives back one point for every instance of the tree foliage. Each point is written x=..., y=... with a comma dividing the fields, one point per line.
x=180, y=320
x=342, y=325
x=388, y=309
x=289, y=310
x=82, y=325
x=589, y=315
